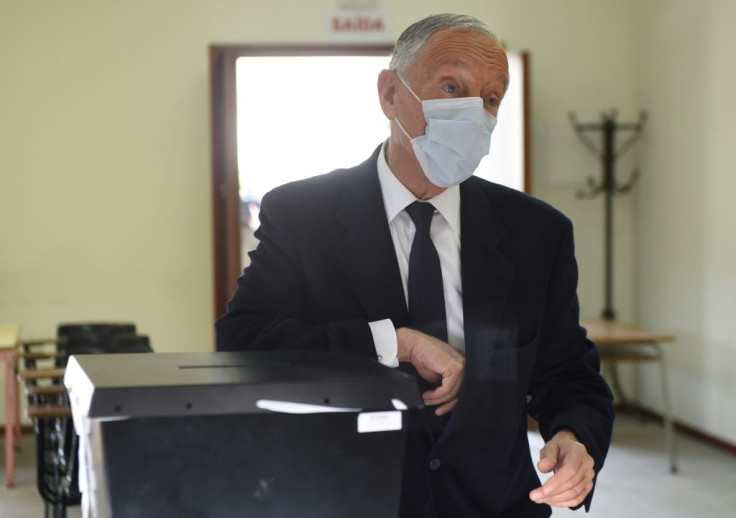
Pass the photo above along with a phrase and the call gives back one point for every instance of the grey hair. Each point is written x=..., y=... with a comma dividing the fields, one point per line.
x=412, y=40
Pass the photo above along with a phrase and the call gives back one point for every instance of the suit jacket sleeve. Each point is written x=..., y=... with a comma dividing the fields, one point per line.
x=269, y=308
x=567, y=390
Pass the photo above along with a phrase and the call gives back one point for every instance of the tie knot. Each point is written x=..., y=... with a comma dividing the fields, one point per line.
x=421, y=214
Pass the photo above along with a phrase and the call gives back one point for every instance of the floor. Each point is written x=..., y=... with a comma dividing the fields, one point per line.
x=634, y=483
x=23, y=500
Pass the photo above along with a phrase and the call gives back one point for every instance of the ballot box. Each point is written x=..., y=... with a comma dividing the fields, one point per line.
x=252, y=434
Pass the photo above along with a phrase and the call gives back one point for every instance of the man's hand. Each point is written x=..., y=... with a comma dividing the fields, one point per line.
x=436, y=362
x=574, y=473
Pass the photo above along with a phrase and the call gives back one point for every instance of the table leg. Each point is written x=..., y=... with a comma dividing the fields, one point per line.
x=18, y=426
x=626, y=404
x=669, y=432
x=617, y=389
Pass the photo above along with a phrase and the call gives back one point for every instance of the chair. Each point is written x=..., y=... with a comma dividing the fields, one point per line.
x=48, y=402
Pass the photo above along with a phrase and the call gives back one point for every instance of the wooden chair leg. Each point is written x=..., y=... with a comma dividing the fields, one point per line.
x=18, y=435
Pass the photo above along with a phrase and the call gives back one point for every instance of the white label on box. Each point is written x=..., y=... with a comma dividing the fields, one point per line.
x=289, y=407
x=379, y=421
x=399, y=405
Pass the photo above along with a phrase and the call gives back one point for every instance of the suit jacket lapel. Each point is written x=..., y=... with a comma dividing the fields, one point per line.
x=486, y=274
x=366, y=250
x=486, y=280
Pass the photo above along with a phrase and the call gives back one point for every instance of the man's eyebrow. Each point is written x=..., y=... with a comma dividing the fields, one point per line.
x=460, y=63
x=454, y=61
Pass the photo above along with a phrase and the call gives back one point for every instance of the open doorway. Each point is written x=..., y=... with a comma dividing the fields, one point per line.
x=317, y=114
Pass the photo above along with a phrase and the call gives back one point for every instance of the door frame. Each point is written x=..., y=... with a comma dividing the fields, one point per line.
x=225, y=183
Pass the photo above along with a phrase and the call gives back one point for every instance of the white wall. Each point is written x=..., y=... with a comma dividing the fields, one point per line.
x=686, y=243
x=105, y=151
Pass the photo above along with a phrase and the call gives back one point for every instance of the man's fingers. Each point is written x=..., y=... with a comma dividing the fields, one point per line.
x=436, y=397
x=445, y=396
x=436, y=362
x=446, y=408
x=546, y=465
x=443, y=408
x=563, y=480
x=569, y=497
x=448, y=388
x=574, y=473
x=569, y=473
x=447, y=391
x=429, y=375
x=548, y=458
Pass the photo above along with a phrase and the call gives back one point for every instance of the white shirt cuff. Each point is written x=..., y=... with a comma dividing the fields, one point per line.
x=384, y=338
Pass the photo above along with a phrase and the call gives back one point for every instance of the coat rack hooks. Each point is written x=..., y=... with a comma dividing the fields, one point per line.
x=608, y=186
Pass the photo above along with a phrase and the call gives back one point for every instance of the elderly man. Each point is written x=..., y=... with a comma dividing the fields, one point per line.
x=470, y=286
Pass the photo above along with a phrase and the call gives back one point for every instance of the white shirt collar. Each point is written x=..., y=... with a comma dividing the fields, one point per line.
x=396, y=197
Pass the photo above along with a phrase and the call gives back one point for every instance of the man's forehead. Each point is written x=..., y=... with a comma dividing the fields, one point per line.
x=460, y=39
x=462, y=63
x=460, y=48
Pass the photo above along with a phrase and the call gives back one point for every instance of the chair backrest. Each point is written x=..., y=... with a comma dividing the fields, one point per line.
x=101, y=330
x=99, y=338
x=56, y=442
x=120, y=343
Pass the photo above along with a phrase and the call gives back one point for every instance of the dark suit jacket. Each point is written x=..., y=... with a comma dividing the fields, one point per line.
x=326, y=266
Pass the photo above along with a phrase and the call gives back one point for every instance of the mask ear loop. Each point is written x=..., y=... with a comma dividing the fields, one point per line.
x=396, y=119
x=408, y=88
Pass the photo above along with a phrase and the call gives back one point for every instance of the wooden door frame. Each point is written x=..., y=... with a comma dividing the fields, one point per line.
x=225, y=183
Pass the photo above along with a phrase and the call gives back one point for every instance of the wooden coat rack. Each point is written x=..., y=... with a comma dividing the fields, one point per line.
x=608, y=186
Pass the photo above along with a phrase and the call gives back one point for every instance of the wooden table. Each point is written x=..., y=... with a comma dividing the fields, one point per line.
x=8, y=339
x=623, y=343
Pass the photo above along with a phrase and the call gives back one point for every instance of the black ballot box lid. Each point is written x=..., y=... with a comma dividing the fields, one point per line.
x=134, y=385
x=261, y=434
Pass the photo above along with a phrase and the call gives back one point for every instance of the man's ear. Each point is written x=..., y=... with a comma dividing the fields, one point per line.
x=386, y=92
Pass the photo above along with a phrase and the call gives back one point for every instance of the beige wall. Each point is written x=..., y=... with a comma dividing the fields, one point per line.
x=686, y=236
x=105, y=154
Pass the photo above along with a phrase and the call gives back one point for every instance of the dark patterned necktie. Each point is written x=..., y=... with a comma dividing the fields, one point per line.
x=426, y=292
x=426, y=303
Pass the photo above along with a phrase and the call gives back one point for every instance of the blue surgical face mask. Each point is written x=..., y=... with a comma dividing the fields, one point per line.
x=457, y=137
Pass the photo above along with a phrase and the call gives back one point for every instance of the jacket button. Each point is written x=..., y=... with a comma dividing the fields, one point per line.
x=435, y=464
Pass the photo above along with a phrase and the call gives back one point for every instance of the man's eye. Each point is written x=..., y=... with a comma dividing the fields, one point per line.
x=492, y=101
x=450, y=89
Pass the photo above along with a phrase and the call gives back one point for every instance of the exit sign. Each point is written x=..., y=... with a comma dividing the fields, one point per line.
x=358, y=25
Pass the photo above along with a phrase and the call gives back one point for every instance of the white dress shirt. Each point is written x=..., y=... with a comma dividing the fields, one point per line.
x=445, y=233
